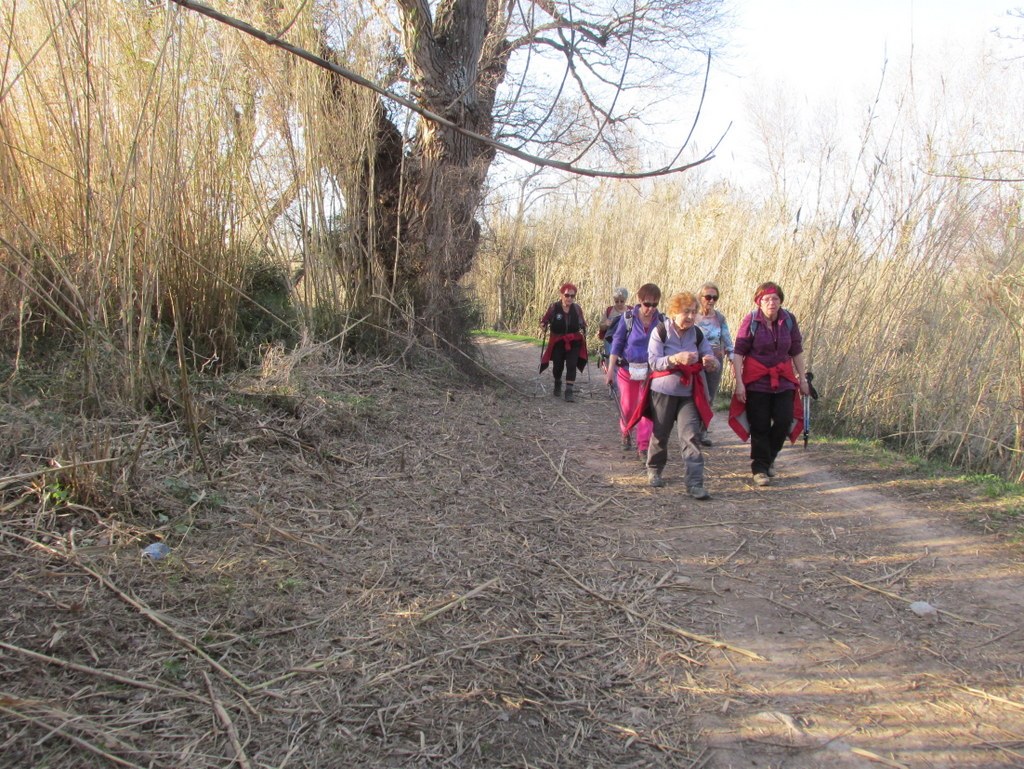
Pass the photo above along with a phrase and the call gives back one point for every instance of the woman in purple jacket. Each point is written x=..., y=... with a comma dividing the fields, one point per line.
x=768, y=360
x=628, y=362
x=679, y=355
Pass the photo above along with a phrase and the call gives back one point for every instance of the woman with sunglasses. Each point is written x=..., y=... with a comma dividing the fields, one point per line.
x=680, y=357
x=567, y=348
x=628, y=367
x=716, y=330
x=768, y=360
x=606, y=327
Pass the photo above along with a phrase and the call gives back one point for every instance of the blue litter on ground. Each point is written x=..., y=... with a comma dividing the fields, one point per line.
x=156, y=551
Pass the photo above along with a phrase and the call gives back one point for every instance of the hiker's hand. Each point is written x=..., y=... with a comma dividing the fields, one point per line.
x=740, y=392
x=710, y=363
x=805, y=387
x=683, y=358
x=609, y=376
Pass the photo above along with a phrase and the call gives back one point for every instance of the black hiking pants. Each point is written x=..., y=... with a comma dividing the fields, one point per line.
x=771, y=418
x=562, y=359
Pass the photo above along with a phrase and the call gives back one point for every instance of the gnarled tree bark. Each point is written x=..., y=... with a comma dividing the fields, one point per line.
x=457, y=58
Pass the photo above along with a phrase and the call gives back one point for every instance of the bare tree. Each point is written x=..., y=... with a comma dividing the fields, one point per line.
x=584, y=73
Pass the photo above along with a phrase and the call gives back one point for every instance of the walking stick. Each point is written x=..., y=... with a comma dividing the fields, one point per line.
x=540, y=371
x=587, y=366
x=811, y=394
x=807, y=419
x=615, y=395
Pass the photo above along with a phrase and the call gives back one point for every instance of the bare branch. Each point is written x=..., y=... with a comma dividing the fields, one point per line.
x=967, y=178
x=273, y=40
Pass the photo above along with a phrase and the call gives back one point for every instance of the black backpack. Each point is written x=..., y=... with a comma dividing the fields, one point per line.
x=575, y=310
x=663, y=334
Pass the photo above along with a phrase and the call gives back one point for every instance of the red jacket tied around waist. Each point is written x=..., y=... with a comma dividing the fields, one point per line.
x=754, y=370
x=690, y=376
x=567, y=341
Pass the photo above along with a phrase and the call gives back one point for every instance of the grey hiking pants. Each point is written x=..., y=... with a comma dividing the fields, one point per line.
x=672, y=410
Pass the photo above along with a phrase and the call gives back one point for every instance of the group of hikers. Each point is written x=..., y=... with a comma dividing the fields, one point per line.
x=664, y=370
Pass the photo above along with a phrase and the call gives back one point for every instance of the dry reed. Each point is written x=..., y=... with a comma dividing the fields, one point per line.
x=904, y=272
x=153, y=163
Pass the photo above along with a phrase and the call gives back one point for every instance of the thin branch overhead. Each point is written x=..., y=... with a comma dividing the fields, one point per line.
x=275, y=41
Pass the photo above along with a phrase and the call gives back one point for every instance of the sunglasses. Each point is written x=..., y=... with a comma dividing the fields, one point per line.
x=649, y=304
x=711, y=298
x=569, y=296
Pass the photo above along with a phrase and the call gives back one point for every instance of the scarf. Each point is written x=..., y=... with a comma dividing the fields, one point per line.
x=688, y=375
x=754, y=370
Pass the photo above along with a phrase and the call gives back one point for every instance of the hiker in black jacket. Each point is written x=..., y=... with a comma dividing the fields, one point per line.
x=567, y=347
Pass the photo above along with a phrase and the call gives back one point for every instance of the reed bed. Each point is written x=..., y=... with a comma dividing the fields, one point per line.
x=155, y=168
x=903, y=267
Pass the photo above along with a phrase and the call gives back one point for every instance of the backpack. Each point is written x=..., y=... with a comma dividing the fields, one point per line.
x=576, y=310
x=628, y=315
x=663, y=334
x=754, y=323
x=609, y=334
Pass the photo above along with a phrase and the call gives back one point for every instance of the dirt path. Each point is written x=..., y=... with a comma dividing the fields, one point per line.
x=385, y=565
x=813, y=577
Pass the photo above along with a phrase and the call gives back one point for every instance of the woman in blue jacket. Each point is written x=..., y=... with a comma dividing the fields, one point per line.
x=628, y=363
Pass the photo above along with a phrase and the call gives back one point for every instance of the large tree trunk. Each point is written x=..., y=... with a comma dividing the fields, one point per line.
x=457, y=60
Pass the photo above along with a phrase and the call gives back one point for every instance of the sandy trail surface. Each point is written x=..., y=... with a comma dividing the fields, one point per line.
x=381, y=564
x=813, y=579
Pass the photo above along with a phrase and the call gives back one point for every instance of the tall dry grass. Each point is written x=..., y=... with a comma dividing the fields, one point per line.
x=901, y=258
x=153, y=166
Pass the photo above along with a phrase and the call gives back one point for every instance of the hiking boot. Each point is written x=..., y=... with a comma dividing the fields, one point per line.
x=558, y=388
x=704, y=439
x=771, y=470
x=641, y=454
x=762, y=479
x=569, y=397
x=698, y=492
x=627, y=442
x=655, y=479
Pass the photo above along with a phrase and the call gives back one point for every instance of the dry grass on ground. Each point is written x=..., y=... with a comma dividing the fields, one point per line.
x=386, y=568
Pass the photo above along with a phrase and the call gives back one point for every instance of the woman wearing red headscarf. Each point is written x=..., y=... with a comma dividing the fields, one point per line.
x=566, y=349
x=768, y=361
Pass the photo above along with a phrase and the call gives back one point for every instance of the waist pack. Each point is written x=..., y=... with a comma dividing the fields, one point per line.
x=638, y=371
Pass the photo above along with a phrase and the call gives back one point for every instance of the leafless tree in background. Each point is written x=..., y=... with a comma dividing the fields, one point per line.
x=579, y=68
x=551, y=81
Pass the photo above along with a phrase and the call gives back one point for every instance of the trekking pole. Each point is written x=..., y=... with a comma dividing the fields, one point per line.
x=807, y=407
x=613, y=393
x=540, y=371
x=590, y=384
x=807, y=419
x=617, y=397
x=602, y=366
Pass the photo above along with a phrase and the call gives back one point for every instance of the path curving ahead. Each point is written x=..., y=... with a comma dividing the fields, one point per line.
x=803, y=592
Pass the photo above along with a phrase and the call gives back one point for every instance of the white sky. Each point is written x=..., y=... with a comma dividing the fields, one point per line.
x=834, y=49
